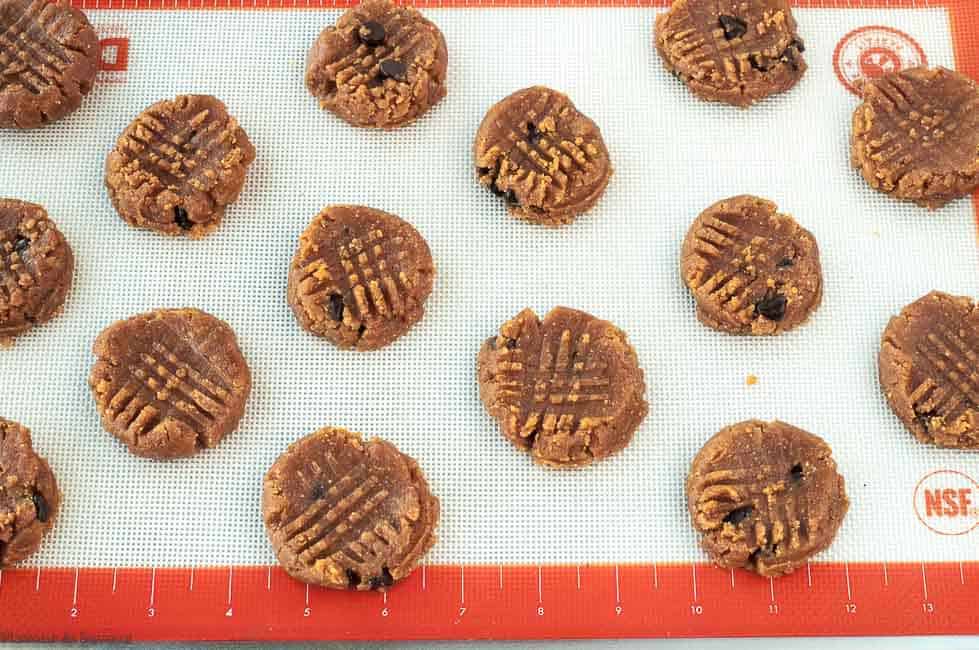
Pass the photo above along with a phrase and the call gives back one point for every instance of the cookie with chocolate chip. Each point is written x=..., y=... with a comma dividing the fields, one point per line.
x=929, y=369
x=731, y=51
x=382, y=65
x=765, y=496
x=915, y=137
x=29, y=497
x=751, y=270
x=568, y=389
x=545, y=159
x=170, y=382
x=178, y=165
x=36, y=268
x=347, y=513
x=49, y=56
x=360, y=277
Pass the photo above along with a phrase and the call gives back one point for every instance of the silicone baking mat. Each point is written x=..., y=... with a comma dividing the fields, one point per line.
x=673, y=156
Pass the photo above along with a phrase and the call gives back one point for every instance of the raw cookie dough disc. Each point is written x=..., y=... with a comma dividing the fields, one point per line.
x=29, y=497
x=732, y=51
x=567, y=389
x=348, y=514
x=169, y=382
x=751, y=269
x=36, y=268
x=382, y=65
x=916, y=135
x=49, y=56
x=177, y=166
x=546, y=160
x=929, y=369
x=360, y=277
x=765, y=496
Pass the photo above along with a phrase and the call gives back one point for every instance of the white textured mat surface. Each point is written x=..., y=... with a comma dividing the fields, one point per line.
x=673, y=154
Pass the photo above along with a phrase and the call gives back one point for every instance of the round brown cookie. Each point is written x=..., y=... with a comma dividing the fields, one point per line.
x=360, y=277
x=545, y=159
x=177, y=165
x=929, y=369
x=751, y=269
x=29, y=497
x=169, y=382
x=731, y=51
x=49, y=55
x=916, y=135
x=36, y=268
x=382, y=65
x=567, y=389
x=348, y=514
x=765, y=496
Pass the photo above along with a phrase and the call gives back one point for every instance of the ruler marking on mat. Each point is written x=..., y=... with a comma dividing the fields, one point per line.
x=462, y=584
x=423, y=577
x=849, y=590
x=771, y=587
x=618, y=600
x=501, y=577
x=924, y=582
x=694, y=568
x=191, y=587
x=74, y=590
x=886, y=579
x=808, y=575
x=732, y=579
x=961, y=574
x=37, y=581
x=153, y=588
x=540, y=586
x=268, y=581
x=231, y=573
x=577, y=572
x=655, y=577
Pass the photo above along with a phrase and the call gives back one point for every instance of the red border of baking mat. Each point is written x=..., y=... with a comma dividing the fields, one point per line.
x=491, y=602
x=463, y=602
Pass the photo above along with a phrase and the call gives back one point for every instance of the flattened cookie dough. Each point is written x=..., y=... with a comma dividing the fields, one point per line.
x=546, y=160
x=731, y=51
x=751, y=269
x=567, y=389
x=36, y=268
x=929, y=369
x=29, y=497
x=49, y=56
x=178, y=165
x=346, y=513
x=916, y=135
x=381, y=66
x=765, y=496
x=169, y=382
x=360, y=277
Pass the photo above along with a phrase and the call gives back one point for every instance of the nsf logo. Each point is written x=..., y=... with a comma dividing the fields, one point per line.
x=947, y=502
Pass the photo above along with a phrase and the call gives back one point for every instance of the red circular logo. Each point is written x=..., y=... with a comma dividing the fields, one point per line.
x=872, y=51
x=947, y=502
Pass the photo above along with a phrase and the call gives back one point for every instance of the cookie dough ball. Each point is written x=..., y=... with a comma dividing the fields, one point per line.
x=916, y=135
x=345, y=513
x=731, y=51
x=765, y=496
x=546, y=160
x=567, y=389
x=929, y=369
x=751, y=269
x=382, y=65
x=178, y=166
x=170, y=382
x=360, y=277
x=29, y=497
x=49, y=56
x=36, y=268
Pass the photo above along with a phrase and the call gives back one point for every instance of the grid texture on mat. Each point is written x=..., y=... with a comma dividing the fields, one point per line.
x=673, y=156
